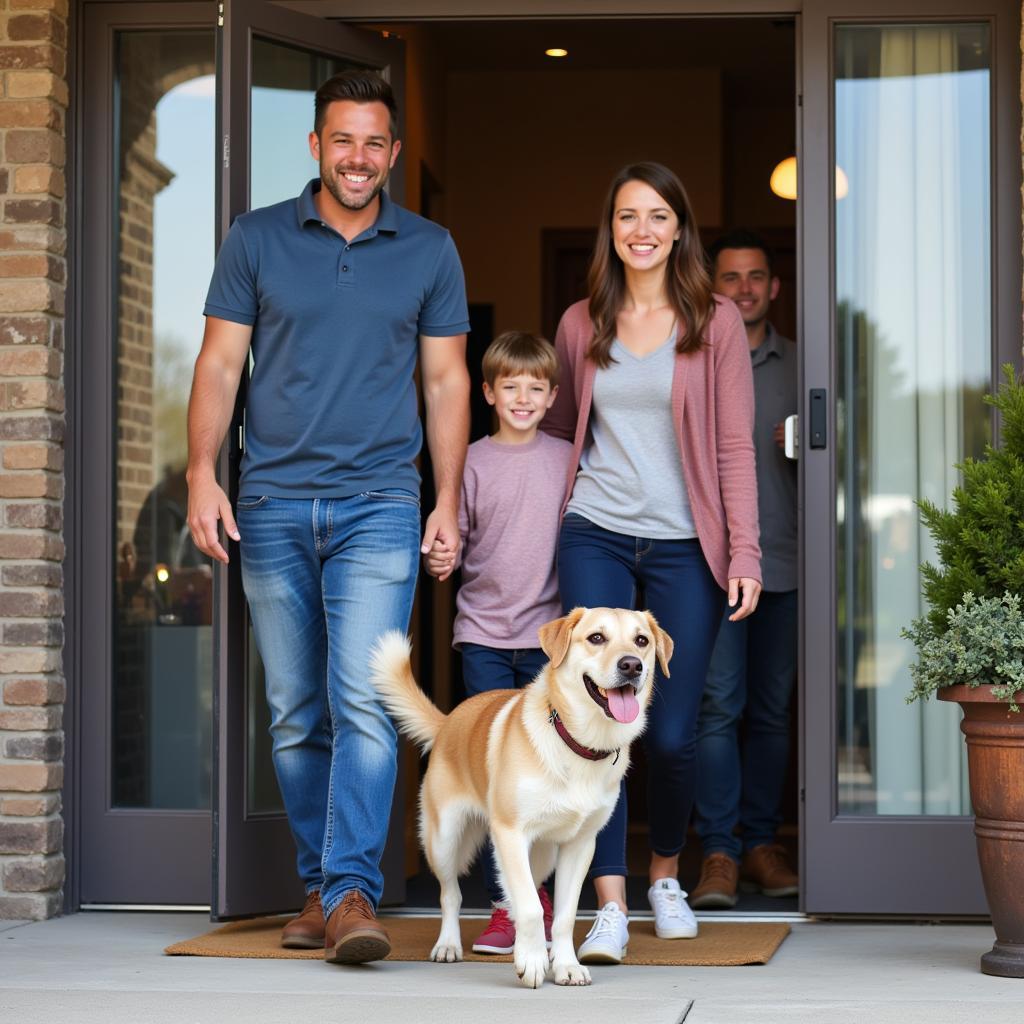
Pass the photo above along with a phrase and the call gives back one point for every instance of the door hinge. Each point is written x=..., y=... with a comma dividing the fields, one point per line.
x=803, y=795
x=220, y=15
x=226, y=150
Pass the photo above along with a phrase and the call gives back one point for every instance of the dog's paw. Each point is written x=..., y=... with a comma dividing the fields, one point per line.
x=570, y=973
x=446, y=952
x=531, y=968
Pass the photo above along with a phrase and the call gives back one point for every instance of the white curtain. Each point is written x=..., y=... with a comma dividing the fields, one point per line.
x=913, y=276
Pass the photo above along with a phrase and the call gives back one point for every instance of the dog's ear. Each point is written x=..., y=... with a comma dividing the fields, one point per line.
x=663, y=645
x=555, y=636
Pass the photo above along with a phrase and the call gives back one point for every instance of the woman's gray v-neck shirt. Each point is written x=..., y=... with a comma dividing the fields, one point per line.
x=630, y=478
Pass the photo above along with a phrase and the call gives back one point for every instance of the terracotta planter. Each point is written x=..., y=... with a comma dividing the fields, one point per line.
x=995, y=761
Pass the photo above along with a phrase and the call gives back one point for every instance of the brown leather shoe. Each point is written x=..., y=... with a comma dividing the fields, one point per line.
x=717, y=886
x=307, y=930
x=354, y=935
x=766, y=870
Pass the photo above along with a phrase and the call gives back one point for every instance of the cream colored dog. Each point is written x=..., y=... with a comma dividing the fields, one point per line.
x=538, y=767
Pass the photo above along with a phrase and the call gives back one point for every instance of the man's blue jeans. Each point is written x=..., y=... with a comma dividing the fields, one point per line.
x=751, y=678
x=324, y=578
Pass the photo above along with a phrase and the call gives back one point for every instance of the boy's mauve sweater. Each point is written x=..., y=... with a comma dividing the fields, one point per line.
x=509, y=516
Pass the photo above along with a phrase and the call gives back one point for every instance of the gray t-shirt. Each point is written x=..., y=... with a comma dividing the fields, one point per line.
x=631, y=478
x=775, y=398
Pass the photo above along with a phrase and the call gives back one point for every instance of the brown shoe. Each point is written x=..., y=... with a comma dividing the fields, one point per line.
x=354, y=935
x=766, y=870
x=717, y=886
x=307, y=930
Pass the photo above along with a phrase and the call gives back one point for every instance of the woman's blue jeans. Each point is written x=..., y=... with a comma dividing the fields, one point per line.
x=497, y=668
x=324, y=577
x=671, y=579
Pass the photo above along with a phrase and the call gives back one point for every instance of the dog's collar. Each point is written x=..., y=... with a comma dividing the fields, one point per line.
x=578, y=748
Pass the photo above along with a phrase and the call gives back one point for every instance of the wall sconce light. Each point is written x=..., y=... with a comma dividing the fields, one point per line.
x=783, y=180
x=556, y=51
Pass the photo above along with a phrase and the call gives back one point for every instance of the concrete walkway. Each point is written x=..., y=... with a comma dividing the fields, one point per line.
x=107, y=968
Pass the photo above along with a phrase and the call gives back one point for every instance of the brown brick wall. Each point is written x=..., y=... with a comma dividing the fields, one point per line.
x=33, y=104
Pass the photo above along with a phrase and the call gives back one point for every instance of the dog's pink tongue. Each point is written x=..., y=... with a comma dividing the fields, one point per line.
x=623, y=705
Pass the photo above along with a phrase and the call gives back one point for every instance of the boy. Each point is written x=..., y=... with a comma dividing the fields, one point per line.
x=512, y=492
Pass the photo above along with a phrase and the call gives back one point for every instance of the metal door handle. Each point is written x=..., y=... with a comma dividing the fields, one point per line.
x=792, y=438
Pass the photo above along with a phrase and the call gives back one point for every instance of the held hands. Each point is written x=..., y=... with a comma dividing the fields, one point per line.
x=208, y=503
x=750, y=590
x=441, y=544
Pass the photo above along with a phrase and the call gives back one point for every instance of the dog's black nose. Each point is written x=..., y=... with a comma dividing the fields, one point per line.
x=630, y=665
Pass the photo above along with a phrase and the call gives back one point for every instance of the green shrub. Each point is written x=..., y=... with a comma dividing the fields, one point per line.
x=982, y=643
x=980, y=541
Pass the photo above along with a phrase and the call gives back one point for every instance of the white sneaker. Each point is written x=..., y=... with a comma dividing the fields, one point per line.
x=673, y=918
x=608, y=938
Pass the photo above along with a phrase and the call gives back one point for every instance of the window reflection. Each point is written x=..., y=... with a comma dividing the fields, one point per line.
x=164, y=116
x=913, y=323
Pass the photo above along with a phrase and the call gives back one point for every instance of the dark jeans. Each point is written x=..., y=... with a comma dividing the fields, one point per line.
x=495, y=668
x=598, y=568
x=750, y=679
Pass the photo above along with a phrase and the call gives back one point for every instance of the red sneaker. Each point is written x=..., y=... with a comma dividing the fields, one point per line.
x=549, y=913
x=500, y=934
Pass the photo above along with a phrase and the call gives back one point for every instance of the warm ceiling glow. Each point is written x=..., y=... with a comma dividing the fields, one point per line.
x=163, y=574
x=783, y=180
x=556, y=51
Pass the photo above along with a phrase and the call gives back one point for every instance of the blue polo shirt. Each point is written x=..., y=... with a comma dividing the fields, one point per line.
x=331, y=408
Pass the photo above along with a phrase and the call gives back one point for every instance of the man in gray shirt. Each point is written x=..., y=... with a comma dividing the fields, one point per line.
x=753, y=666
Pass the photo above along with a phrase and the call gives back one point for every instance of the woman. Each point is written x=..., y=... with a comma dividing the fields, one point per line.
x=661, y=504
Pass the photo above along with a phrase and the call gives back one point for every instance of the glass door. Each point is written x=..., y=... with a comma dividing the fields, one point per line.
x=143, y=605
x=910, y=179
x=270, y=62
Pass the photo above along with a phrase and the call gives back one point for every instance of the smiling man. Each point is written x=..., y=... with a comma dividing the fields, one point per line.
x=336, y=294
x=753, y=666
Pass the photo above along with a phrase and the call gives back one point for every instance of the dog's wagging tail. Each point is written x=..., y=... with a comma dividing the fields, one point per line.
x=391, y=671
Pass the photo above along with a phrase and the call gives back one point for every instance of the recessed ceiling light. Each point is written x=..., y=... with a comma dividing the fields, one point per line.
x=556, y=51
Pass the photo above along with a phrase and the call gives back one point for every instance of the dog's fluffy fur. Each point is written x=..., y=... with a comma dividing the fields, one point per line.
x=498, y=764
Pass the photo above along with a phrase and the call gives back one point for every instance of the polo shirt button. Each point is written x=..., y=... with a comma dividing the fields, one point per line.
x=347, y=247
x=345, y=268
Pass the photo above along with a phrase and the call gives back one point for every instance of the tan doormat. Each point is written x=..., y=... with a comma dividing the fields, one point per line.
x=720, y=944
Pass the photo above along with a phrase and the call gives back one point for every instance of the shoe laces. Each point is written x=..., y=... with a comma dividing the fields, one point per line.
x=312, y=903
x=355, y=903
x=775, y=856
x=669, y=899
x=499, y=918
x=717, y=866
x=605, y=923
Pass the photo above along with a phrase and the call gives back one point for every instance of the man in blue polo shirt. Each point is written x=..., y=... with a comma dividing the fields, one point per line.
x=334, y=295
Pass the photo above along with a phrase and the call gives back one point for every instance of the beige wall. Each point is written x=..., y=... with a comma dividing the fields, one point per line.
x=535, y=150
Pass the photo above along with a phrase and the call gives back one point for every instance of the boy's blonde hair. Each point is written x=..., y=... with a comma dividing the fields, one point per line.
x=516, y=352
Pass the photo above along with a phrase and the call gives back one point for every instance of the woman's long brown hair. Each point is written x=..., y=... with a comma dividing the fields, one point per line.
x=686, y=278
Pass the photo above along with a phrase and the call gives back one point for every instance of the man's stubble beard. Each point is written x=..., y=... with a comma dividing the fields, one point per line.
x=329, y=177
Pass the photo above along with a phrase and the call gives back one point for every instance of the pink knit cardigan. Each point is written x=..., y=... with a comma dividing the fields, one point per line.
x=713, y=411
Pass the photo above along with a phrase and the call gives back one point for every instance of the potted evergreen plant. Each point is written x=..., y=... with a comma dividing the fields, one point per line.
x=970, y=648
